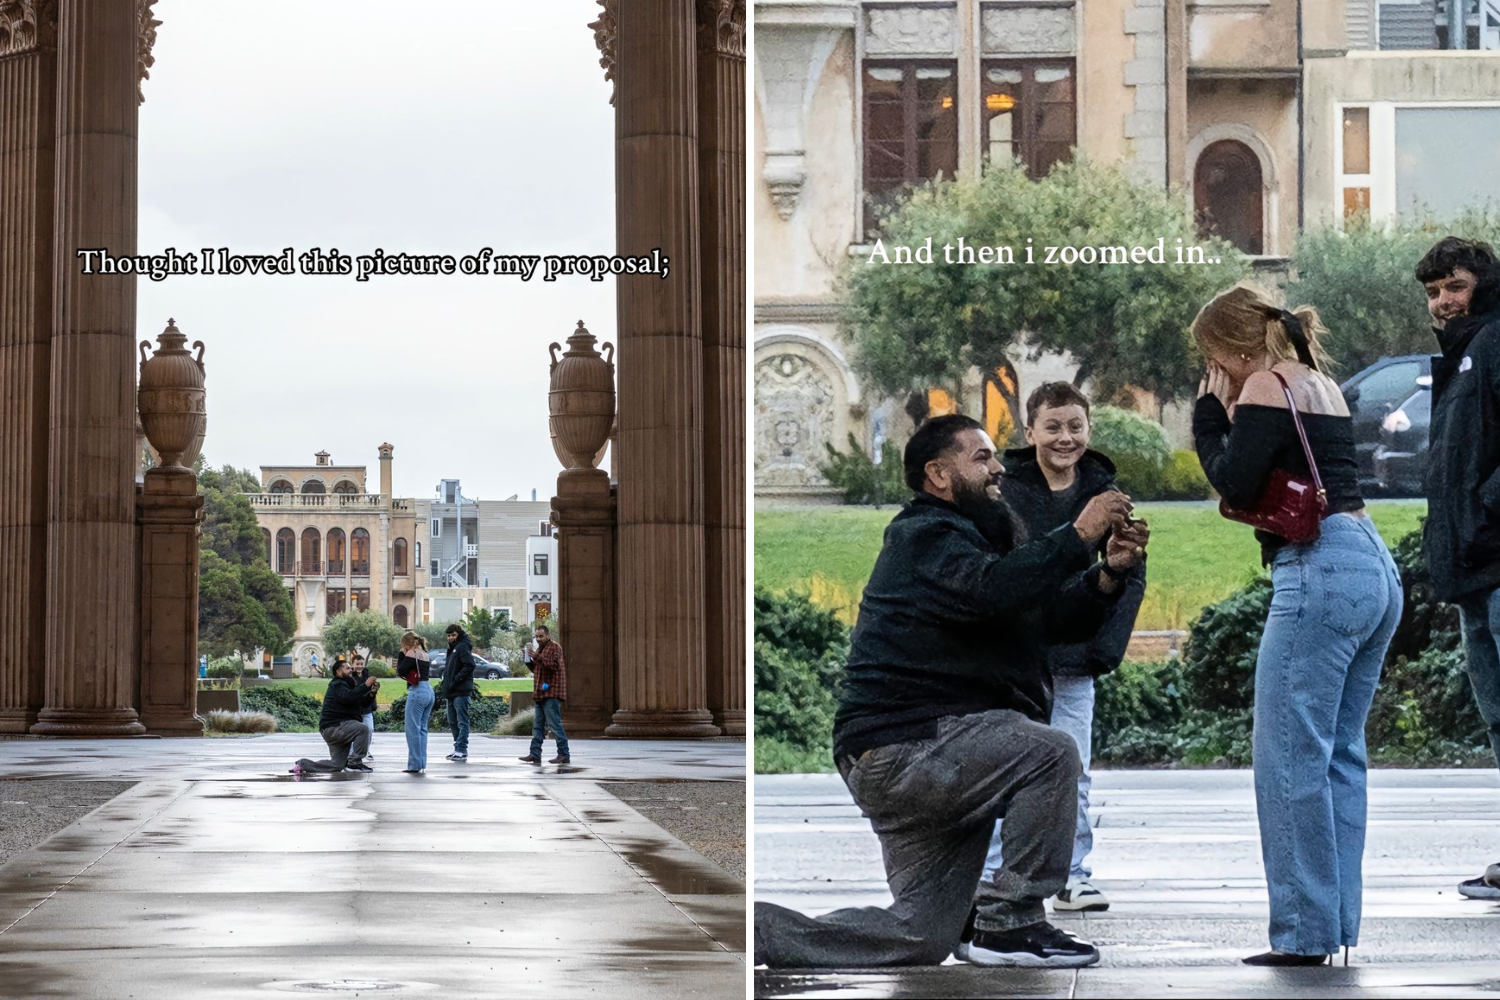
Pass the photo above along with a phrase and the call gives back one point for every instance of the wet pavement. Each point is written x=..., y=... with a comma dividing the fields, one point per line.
x=220, y=875
x=1178, y=854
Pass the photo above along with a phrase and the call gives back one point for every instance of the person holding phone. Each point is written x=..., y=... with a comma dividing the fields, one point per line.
x=549, y=687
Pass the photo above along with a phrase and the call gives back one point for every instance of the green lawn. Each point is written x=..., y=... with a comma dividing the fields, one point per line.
x=392, y=688
x=1197, y=557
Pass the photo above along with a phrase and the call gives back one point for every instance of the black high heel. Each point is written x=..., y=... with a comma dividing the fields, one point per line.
x=1281, y=959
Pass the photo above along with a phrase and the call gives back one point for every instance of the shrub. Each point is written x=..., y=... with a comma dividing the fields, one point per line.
x=381, y=669
x=484, y=713
x=220, y=721
x=226, y=666
x=1138, y=447
x=1182, y=478
x=1219, y=657
x=515, y=725
x=294, y=713
x=800, y=651
x=863, y=481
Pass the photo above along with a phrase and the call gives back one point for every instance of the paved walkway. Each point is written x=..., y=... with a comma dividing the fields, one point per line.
x=220, y=875
x=1179, y=856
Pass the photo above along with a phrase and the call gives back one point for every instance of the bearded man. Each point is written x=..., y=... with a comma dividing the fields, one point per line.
x=942, y=720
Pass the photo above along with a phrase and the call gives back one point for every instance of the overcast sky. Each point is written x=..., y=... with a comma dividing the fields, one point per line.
x=441, y=127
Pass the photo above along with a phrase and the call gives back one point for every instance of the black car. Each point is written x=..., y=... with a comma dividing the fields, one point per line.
x=482, y=668
x=1373, y=394
x=1401, y=457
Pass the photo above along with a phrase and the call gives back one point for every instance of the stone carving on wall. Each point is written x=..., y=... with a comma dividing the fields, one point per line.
x=606, y=29
x=721, y=27
x=790, y=61
x=27, y=25
x=911, y=30
x=794, y=419
x=145, y=40
x=1033, y=30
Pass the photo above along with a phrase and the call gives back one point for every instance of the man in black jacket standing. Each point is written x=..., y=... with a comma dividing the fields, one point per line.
x=941, y=725
x=1047, y=485
x=342, y=723
x=1462, y=534
x=458, y=688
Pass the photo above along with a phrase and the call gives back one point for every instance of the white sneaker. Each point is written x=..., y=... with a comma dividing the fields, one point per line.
x=1486, y=887
x=1080, y=895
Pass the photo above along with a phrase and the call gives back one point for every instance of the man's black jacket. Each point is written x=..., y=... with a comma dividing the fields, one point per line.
x=1462, y=536
x=1037, y=510
x=953, y=623
x=345, y=699
x=458, y=669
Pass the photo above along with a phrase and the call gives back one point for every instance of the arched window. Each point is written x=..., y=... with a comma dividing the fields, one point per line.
x=312, y=557
x=270, y=552
x=335, y=551
x=398, y=557
x=1228, y=196
x=345, y=488
x=359, y=552
x=399, y=616
x=286, y=551
x=313, y=486
x=281, y=486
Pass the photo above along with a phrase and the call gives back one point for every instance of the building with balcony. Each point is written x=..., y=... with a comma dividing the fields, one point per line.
x=337, y=545
x=1267, y=115
x=340, y=547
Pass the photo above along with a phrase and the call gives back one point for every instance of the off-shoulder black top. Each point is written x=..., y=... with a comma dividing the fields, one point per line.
x=1238, y=455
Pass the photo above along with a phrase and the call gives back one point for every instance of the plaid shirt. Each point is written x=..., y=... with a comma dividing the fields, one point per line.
x=547, y=668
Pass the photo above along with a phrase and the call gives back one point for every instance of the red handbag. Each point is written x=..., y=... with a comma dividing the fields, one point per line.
x=1291, y=506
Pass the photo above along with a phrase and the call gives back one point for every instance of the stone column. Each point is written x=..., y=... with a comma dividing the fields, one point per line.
x=169, y=510
x=721, y=187
x=91, y=642
x=28, y=95
x=662, y=645
x=584, y=514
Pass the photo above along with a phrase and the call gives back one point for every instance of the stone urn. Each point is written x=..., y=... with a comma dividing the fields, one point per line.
x=170, y=398
x=581, y=401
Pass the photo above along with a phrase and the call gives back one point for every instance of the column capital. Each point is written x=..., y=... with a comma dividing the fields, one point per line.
x=27, y=26
x=145, y=40
x=606, y=34
x=721, y=27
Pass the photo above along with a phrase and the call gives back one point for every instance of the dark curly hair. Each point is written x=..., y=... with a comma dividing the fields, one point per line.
x=1474, y=256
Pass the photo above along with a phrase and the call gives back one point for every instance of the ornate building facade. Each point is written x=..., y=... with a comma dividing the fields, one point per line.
x=856, y=99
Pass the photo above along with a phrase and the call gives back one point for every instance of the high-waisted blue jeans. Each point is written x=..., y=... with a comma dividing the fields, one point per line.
x=1335, y=605
x=419, y=701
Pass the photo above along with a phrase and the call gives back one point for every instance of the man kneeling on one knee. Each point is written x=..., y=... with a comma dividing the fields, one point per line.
x=342, y=724
x=942, y=720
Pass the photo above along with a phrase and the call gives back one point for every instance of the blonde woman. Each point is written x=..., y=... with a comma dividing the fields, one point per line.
x=1335, y=604
x=413, y=666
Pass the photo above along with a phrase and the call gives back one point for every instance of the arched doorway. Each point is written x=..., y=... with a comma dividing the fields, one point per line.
x=1229, y=195
x=335, y=551
x=399, y=616
x=359, y=552
x=286, y=551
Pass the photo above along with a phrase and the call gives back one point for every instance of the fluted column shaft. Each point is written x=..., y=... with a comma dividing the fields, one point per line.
x=91, y=545
x=28, y=82
x=721, y=173
x=662, y=680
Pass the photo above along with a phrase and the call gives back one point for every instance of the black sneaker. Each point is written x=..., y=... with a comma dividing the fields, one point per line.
x=358, y=766
x=1039, y=946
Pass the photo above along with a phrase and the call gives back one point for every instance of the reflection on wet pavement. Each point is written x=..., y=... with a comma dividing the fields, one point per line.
x=221, y=875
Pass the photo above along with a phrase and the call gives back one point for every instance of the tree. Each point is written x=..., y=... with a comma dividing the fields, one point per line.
x=1361, y=280
x=481, y=625
x=369, y=630
x=242, y=603
x=925, y=326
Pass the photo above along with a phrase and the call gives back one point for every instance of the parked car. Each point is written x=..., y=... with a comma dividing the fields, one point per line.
x=1400, y=459
x=484, y=668
x=1373, y=394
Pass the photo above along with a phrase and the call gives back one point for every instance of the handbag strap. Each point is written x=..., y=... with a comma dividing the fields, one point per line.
x=1312, y=465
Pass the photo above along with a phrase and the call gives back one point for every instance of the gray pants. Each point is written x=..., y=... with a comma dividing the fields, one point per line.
x=348, y=742
x=933, y=804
